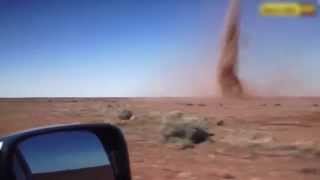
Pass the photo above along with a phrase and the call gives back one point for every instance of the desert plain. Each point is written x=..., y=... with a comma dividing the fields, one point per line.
x=272, y=138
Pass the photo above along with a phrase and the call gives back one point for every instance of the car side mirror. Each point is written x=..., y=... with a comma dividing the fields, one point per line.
x=82, y=152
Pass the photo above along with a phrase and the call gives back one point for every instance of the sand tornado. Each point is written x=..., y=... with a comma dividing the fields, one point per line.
x=228, y=80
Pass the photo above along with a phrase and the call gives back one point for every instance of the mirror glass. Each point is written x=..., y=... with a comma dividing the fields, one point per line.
x=62, y=155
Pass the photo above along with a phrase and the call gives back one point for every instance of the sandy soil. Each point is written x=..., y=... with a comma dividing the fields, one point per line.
x=262, y=139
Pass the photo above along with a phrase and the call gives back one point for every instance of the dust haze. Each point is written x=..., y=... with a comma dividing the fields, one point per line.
x=217, y=71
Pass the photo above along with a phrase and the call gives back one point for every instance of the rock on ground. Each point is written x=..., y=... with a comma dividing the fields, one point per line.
x=125, y=115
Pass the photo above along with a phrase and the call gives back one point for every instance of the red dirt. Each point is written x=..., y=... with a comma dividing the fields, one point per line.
x=286, y=120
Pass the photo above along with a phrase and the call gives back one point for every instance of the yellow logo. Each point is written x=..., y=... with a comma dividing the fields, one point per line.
x=287, y=9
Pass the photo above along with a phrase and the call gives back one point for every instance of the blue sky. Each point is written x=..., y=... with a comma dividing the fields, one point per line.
x=91, y=48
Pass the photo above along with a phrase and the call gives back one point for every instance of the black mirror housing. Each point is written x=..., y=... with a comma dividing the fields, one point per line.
x=110, y=136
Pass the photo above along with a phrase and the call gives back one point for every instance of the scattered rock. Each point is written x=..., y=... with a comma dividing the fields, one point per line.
x=189, y=104
x=220, y=123
x=202, y=105
x=179, y=128
x=311, y=171
x=133, y=117
x=186, y=145
x=277, y=104
x=125, y=115
x=255, y=178
x=109, y=106
x=212, y=156
x=263, y=105
x=315, y=105
x=221, y=105
x=228, y=176
x=184, y=175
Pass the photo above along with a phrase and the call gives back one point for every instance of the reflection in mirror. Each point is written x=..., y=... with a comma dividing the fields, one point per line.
x=62, y=155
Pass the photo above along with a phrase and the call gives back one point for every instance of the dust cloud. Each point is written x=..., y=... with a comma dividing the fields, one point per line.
x=227, y=70
x=206, y=77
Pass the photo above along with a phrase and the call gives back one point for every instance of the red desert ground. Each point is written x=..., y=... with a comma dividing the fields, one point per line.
x=272, y=138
